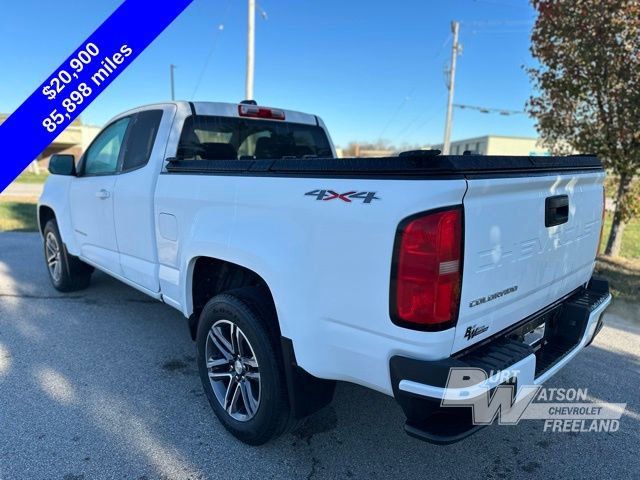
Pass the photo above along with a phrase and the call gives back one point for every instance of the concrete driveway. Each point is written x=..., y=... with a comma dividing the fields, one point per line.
x=103, y=384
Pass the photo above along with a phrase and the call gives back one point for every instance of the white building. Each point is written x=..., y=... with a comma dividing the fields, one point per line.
x=498, y=145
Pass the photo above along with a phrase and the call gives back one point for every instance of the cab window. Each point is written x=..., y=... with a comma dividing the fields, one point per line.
x=102, y=156
x=141, y=137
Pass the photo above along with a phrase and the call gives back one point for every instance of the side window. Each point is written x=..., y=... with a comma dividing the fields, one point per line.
x=102, y=156
x=140, y=139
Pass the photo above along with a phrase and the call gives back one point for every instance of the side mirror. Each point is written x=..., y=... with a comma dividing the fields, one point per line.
x=62, y=165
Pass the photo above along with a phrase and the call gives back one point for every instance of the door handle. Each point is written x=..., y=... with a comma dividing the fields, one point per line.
x=103, y=194
x=556, y=210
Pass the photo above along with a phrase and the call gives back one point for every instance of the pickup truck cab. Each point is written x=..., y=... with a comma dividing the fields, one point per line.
x=297, y=269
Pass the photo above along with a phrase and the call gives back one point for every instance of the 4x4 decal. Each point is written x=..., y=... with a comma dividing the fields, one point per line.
x=326, y=195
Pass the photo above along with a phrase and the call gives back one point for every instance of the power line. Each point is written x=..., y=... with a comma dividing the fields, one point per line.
x=504, y=4
x=404, y=132
x=214, y=45
x=390, y=120
x=430, y=114
x=263, y=14
x=498, y=26
x=501, y=111
x=497, y=23
x=437, y=54
x=499, y=32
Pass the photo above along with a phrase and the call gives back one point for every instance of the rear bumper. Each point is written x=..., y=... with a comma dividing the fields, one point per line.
x=419, y=386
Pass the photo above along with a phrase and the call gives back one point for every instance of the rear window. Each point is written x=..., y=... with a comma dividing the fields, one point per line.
x=225, y=138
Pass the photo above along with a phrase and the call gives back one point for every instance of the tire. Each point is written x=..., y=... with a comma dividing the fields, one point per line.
x=66, y=272
x=254, y=410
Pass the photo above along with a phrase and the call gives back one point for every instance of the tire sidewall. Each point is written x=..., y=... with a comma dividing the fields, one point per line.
x=267, y=420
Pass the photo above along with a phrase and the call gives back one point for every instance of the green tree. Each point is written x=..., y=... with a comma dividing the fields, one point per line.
x=588, y=89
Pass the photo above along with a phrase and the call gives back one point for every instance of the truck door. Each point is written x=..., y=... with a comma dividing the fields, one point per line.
x=91, y=196
x=141, y=162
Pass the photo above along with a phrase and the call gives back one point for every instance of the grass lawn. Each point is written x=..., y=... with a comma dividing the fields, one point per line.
x=28, y=177
x=18, y=215
x=630, y=238
x=623, y=275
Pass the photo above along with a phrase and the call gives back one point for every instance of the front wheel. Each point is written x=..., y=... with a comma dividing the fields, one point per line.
x=66, y=272
x=240, y=368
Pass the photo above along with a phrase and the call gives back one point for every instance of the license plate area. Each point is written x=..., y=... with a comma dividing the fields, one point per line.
x=535, y=336
x=550, y=334
x=534, y=333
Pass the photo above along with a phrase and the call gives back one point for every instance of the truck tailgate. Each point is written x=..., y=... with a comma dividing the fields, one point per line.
x=529, y=241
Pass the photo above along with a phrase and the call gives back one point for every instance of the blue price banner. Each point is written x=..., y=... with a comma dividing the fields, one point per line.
x=79, y=80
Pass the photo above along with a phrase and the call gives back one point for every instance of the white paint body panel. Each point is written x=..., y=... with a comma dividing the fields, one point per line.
x=93, y=223
x=328, y=264
x=507, y=245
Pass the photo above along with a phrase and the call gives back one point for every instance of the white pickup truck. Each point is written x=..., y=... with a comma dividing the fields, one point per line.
x=296, y=269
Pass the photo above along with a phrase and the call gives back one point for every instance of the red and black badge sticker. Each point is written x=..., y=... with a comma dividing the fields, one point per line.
x=348, y=197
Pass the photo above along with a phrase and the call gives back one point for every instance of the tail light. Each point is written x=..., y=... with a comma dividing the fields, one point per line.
x=246, y=110
x=426, y=274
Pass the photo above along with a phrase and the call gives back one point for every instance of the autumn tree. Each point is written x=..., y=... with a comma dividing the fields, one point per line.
x=588, y=90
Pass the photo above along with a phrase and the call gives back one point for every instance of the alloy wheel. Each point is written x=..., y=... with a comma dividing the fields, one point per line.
x=233, y=370
x=53, y=256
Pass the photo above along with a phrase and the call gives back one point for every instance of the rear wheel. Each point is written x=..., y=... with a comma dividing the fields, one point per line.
x=66, y=272
x=240, y=367
x=233, y=369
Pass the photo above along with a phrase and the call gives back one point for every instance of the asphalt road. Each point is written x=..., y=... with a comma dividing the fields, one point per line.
x=103, y=384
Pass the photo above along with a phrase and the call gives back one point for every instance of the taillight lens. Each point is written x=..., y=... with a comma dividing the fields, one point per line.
x=427, y=270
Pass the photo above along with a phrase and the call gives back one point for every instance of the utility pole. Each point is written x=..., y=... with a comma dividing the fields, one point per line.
x=251, y=40
x=173, y=91
x=455, y=51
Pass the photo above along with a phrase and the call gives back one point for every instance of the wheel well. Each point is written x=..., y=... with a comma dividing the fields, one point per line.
x=212, y=276
x=44, y=215
x=306, y=393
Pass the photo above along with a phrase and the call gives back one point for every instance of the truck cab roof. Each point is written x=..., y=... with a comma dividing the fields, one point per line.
x=225, y=109
x=232, y=110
